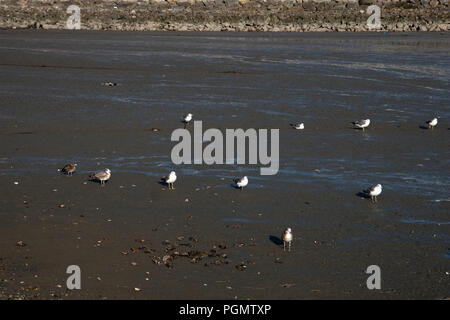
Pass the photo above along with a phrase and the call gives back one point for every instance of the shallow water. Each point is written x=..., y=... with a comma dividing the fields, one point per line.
x=52, y=81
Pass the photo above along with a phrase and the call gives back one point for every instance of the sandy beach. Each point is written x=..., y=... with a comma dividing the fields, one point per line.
x=223, y=243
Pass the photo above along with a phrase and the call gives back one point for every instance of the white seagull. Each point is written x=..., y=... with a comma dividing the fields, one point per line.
x=374, y=192
x=241, y=183
x=298, y=126
x=287, y=237
x=432, y=123
x=361, y=123
x=170, y=179
x=186, y=119
x=101, y=176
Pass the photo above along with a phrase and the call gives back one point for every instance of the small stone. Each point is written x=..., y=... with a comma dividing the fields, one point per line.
x=20, y=243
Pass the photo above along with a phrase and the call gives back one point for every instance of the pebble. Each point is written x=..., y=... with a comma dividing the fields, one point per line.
x=21, y=243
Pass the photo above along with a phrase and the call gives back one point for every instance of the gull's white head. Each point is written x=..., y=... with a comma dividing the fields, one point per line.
x=172, y=173
x=367, y=120
x=107, y=170
x=379, y=186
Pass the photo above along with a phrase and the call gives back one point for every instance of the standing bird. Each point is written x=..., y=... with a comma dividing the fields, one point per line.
x=186, y=119
x=101, y=176
x=374, y=192
x=170, y=179
x=287, y=237
x=241, y=183
x=361, y=123
x=298, y=126
x=432, y=123
x=69, y=168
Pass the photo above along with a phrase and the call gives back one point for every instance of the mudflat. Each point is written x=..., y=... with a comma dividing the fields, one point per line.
x=134, y=239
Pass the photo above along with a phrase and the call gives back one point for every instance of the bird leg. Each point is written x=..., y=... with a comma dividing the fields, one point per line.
x=284, y=245
x=289, y=246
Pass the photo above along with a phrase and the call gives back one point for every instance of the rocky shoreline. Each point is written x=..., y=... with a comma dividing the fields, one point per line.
x=228, y=15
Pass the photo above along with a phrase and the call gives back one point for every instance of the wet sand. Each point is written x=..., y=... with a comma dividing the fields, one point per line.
x=55, y=110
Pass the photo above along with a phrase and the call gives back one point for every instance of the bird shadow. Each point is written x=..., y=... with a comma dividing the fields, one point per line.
x=276, y=240
x=97, y=181
x=235, y=186
x=163, y=183
x=423, y=127
x=362, y=195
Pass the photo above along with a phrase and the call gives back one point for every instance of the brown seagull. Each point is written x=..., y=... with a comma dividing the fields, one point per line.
x=69, y=168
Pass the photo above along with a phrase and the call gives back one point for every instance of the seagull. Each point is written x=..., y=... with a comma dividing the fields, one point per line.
x=241, y=183
x=432, y=123
x=361, y=123
x=298, y=126
x=374, y=192
x=186, y=119
x=69, y=168
x=287, y=237
x=101, y=176
x=170, y=179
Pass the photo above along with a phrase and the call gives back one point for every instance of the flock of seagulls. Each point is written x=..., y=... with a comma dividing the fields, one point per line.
x=373, y=192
